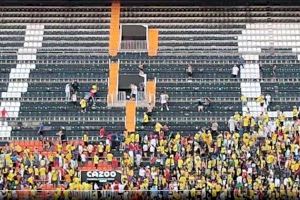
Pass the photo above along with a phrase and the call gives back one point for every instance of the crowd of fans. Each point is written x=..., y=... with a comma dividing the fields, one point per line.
x=57, y=163
x=255, y=158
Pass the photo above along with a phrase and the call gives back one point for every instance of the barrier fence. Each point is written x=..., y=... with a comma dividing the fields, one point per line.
x=205, y=193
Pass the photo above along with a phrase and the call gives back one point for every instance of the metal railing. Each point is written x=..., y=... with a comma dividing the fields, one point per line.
x=135, y=45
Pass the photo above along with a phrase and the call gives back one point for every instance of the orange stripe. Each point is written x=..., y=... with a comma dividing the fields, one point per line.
x=114, y=28
x=113, y=82
x=152, y=42
x=130, y=122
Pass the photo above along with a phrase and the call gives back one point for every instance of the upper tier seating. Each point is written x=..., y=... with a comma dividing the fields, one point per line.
x=75, y=46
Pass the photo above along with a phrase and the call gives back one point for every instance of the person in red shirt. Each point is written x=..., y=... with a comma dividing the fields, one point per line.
x=102, y=132
x=4, y=115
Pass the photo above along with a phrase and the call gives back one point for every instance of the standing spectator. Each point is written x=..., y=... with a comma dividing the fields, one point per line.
x=189, y=71
x=149, y=110
x=274, y=71
x=93, y=93
x=235, y=71
x=68, y=92
x=268, y=100
x=60, y=134
x=261, y=100
x=63, y=136
x=214, y=128
x=83, y=105
x=295, y=113
x=134, y=91
x=244, y=100
x=74, y=99
x=231, y=124
x=41, y=130
x=164, y=97
x=207, y=102
x=75, y=87
x=141, y=69
x=86, y=139
x=200, y=105
x=102, y=132
x=4, y=115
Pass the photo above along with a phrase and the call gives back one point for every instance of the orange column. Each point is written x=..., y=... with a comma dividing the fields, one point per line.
x=130, y=120
x=152, y=42
x=113, y=83
x=114, y=32
x=151, y=91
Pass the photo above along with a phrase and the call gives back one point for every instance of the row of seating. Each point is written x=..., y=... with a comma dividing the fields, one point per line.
x=184, y=9
x=45, y=10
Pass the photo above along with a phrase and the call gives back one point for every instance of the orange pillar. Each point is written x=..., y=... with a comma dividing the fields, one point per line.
x=152, y=42
x=151, y=92
x=114, y=32
x=130, y=119
x=113, y=82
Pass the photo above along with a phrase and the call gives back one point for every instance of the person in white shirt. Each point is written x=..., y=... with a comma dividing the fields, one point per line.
x=268, y=100
x=235, y=71
x=141, y=69
x=231, y=125
x=134, y=91
x=164, y=97
x=68, y=92
x=138, y=159
x=142, y=172
x=96, y=187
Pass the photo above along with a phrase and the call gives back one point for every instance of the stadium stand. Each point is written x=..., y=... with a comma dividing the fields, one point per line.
x=220, y=135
